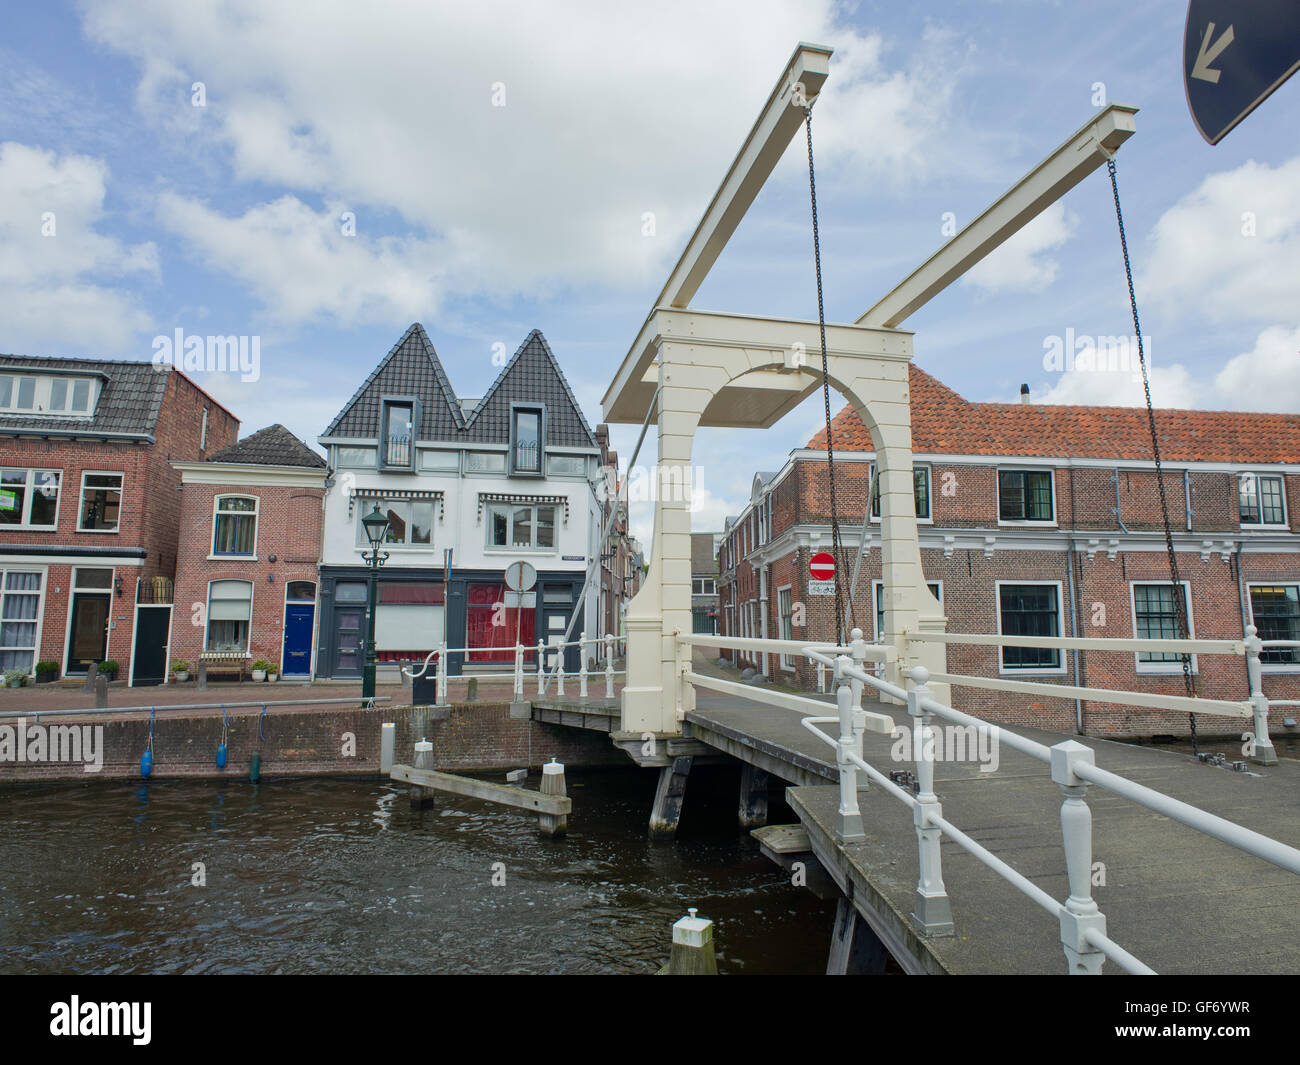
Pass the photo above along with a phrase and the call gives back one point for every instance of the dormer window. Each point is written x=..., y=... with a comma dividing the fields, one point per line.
x=55, y=395
x=526, y=435
x=397, y=434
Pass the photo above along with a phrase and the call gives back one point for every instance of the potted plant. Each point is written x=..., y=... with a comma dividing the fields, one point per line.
x=272, y=672
x=14, y=678
x=46, y=672
x=260, y=668
x=181, y=669
x=108, y=668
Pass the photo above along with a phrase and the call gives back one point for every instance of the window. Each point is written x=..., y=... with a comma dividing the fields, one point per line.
x=397, y=446
x=67, y=396
x=566, y=465
x=1155, y=617
x=878, y=591
x=920, y=493
x=350, y=592
x=20, y=612
x=410, y=521
x=230, y=605
x=1261, y=499
x=354, y=458
x=526, y=440
x=785, y=621
x=440, y=460
x=234, y=527
x=704, y=586
x=101, y=502
x=1025, y=495
x=29, y=498
x=485, y=462
x=527, y=527
x=300, y=590
x=1030, y=610
x=1275, y=613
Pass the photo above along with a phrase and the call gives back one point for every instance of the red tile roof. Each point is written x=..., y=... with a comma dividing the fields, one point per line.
x=944, y=423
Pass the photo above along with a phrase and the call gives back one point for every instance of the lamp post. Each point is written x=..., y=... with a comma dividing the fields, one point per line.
x=376, y=526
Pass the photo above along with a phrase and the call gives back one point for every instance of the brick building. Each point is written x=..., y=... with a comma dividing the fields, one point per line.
x=704, y=582
x=250, y=538
x=89, y=507
x=1045, y=520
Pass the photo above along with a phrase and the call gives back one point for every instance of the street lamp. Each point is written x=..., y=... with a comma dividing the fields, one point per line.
x=376, y=525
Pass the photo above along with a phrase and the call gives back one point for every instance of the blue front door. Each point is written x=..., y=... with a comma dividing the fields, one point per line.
x=298, y=619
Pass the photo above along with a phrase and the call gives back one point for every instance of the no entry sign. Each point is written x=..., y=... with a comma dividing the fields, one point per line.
x=1236, y=52
x=822, y=566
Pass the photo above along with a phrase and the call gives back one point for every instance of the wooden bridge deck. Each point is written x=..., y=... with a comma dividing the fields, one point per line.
x=1175, y=898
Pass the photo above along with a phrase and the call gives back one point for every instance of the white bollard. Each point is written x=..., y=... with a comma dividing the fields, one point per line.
x=387, y=745
x=552, y=826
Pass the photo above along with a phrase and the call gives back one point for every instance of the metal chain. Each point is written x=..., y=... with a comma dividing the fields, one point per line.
x=1180, y=605
x=836, y=550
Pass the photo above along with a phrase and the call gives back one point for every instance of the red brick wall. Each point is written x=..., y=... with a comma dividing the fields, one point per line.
x=288, y=526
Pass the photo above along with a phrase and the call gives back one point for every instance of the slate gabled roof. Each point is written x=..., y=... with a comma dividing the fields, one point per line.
x=944, y=423
x=412, y=368
x=130, y=397
x=272, y=446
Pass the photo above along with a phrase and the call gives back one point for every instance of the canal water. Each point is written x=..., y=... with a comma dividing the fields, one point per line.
x=342, y=876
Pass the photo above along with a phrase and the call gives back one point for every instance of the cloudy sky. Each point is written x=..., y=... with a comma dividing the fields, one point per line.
x=321, y=174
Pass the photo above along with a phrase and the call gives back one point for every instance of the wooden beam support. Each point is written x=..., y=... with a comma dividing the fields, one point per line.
x=505, y=794
x=1046, y=183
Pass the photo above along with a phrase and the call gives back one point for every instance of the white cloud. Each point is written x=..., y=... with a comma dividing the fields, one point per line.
x=610, y=113
x=1023, y=264
x=1171, y=386
x=1230, y=250
x=55, y=267
x=1266, y=378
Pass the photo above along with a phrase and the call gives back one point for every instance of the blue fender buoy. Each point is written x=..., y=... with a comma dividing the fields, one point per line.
x=146, y=763
x=221, y=756
x=255, y=767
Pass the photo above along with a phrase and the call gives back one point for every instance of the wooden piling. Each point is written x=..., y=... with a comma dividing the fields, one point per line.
x=692, y=948
x=753, y=797
x=101, y=691
x=553, y=826
x=420, y=796
x=669, y=796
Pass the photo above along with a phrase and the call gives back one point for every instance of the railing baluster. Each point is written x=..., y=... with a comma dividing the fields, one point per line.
x=519, y=669
x=1262, y=742
x=1080, y=914
x=848, y=821
x=932, y=915
x=541, y=667
x=582, y=664
x=609, y=666
x=441, y=676
x=858, y=651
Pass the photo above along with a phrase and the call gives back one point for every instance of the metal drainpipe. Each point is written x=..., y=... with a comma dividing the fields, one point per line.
x=1241, y=602
x=1119, y=513
x=762, y=610
x=1074, y=634
x=1187, y=497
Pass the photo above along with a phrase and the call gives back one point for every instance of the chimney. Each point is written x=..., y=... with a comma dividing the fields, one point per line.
x=1024, y=394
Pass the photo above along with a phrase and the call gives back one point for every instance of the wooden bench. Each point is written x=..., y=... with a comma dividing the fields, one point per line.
x=226, y=660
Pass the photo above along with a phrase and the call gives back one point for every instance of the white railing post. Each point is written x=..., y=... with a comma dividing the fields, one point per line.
x=1080, y=914
x=848, y=820
x=858, y=651
x=559, y=668
x=582, y=664
x=932, y=913
x=541, y=667
x=609, y=666
x=442, y=674
x=1264, y=753
x=519, y=669
x=821, y=677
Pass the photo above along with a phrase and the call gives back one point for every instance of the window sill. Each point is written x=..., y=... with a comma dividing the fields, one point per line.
x=1028, y=524
x=521, y=550
x=29, y=528
x=1258, y=527
x=99, y=532
x=232, y=558
x=1032, y=671
x=1294, y=668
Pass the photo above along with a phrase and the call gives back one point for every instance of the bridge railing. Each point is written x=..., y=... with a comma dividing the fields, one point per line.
x=607, y=648
x=1071, y=764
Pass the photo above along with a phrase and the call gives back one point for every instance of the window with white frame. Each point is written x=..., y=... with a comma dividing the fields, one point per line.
x=410, y=522
x=1155, y=617
x=101, y=502
x=1275, y=613
x=230, y=607
x=1025, y=495
x=234, y=525
x=522, y=526
x=1030, y=610
x=1261, y=499
x=920, y=492
x=55, y=395
x=878, y=594
x=20, y=613
x=29, y=498
x=785, y=621
x=703, y=586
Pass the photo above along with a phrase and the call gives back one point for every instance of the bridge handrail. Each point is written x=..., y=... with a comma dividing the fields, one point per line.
x=875, y=652
x=1084, y=643
x=92, y=711
x=609, y=643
